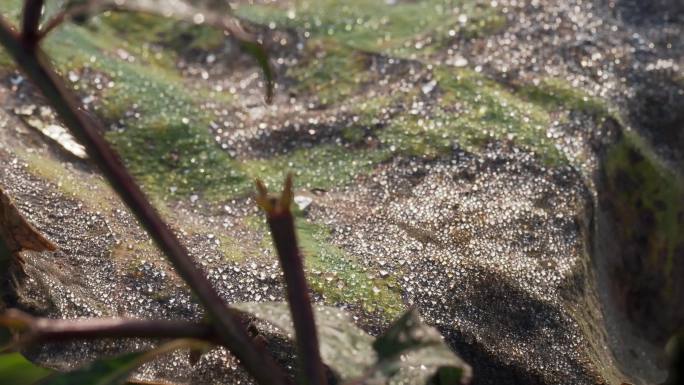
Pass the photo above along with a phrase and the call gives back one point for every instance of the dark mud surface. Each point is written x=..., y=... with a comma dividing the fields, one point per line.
x=474, y=169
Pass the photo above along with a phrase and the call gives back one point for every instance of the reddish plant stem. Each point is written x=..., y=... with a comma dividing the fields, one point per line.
x=57, y=20
x=48, y=329
x=32, y=61
x=30, y=22
x=281, y=223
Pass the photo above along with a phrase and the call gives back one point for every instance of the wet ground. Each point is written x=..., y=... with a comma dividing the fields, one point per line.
x=487, y=162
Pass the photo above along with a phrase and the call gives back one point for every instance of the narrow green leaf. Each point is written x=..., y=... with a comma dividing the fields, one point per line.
x=15, y=369
x=258, y=52
x=117, y=370
x=110, y=371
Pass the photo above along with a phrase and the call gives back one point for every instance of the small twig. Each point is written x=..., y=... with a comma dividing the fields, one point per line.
x=60, y=18
x=35, y=329
x=88, y=131
x=281, y=223
x=33, y=9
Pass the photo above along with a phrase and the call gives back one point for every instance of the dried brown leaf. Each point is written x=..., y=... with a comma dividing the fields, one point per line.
x=16, y=232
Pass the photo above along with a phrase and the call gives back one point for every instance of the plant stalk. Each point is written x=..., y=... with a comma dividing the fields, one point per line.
x=281, y=223
x=52, y=330
x=30, y=23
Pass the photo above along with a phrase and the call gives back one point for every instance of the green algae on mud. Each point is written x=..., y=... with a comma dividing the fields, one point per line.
x=336, y=275
x=322, y=166
x=341, y=280
x=166, y=143
x=330, y=71
x=406, y=29
x=10, y=11
x=557, y=94
x=488, y=109
x=647, y=201
x=6, y=63
x=173, y=35
x=470, y=110
x=640, y=183
x=91, y=189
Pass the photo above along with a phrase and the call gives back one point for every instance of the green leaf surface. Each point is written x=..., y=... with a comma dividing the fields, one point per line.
x=404, y=334
x=111, y=371
x=344, y=347
x=15, y=369
x=409, y=353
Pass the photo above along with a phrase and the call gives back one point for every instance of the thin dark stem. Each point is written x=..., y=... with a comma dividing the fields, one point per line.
x=30, y=23
x=53, y=23
x=281, y=223
x=53, y=330
x=88, y=131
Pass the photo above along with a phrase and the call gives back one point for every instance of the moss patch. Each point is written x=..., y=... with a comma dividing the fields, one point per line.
x=471, y=111
x=340, y=279
x=406, y=29
x=6, y=63
x=166, y=32
x=231, y=250
x=91, y=190
x=164, y=134
x=555, y=94
x=133, y=253
x=11, y=10
x=166, y=141
x=650, y=201
x=174, y=158
x=646, y=202
x=336, y=275
x=322, y=166
x=329, y=71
